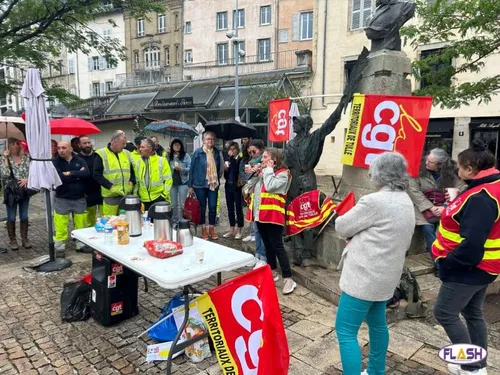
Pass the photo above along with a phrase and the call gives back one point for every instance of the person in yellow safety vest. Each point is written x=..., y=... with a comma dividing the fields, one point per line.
x=92, y=188
x=153, y=175
x=467, y=247
x=160, y=151
x=70, y=196
x=114, y=171
x=136, y=155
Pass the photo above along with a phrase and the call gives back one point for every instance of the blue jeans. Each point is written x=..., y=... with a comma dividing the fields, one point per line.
x=204, y=195
x=178, y=195
x=260, y=249
x=23, y=210
x=350, y=314
x=430, y=236
x=253, y=229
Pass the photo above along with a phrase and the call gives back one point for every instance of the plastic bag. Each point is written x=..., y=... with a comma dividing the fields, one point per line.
x=167, y=330
x=75, y=300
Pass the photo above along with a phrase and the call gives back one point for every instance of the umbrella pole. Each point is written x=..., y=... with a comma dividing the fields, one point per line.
x=54, y=264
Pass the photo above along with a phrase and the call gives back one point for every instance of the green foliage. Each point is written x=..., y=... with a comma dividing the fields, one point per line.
x=31, y=31
x=138, y=129
x=471, y=33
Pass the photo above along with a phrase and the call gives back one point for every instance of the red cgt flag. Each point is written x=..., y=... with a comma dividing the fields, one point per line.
x=279, y=120
x=347, y=203
x=243, y=318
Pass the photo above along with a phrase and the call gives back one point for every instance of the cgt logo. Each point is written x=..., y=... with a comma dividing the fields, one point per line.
x=116, y=308
x=116, y=269
x=462, y=354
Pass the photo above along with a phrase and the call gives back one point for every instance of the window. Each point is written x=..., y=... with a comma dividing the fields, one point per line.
x=110, y=65
x=360, y=11
x=177, y=23
x=140, y=27
x=239, y=20
x=264, y=53
x=71, y=66
x=93, y=63
x=437, y=64
x=283, y=36
x=241, y=47
x=96, y=89
x=162, y=23
x=136, y=59
x=265, y=15
x=167, y=56
x=222, y=21
x=109, y=86
x=188, y=56
x=348, y=67
x=152, y=57
x=187, y=28
x=306, y=26
x=177, y=55
x=106, y=33
x=222, y=54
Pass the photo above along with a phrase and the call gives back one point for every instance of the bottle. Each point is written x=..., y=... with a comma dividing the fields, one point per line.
x=146, y=230
x=108, y=235
x=122, y=229
x=99, y=227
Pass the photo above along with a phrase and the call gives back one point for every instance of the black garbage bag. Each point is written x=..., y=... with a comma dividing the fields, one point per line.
x=75, y=301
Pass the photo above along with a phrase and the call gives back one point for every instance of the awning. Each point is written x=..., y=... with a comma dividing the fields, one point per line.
x=247, y=96
x=440, y=125
x=130, y=104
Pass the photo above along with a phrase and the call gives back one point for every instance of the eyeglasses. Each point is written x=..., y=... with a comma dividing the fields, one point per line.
x=252, y=152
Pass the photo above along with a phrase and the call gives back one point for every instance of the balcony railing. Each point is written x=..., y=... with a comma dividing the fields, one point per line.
x=156, y=72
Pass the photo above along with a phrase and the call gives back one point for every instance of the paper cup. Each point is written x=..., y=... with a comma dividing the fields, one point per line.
x=199, y=254
x=227, y=164
x=452, y=192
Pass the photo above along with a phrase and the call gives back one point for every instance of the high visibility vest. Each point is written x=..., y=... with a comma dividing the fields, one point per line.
x=116, y=169
x=158, y=182
x=448, y=235
x=272, y=206
x=136, y=155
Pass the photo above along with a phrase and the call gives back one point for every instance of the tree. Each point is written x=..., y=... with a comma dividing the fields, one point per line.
x=33, y=31
x=471, y=33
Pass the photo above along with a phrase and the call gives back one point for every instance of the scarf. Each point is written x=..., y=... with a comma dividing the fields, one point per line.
x=212, y=177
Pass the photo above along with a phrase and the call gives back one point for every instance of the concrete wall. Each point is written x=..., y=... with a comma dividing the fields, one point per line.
x=342, y=45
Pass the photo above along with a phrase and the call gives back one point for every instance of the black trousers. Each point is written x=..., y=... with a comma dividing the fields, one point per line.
x=234, y=200
x=272, y=236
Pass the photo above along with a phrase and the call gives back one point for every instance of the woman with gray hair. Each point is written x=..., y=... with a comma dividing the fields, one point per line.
x=379, y=231
x=428, y=192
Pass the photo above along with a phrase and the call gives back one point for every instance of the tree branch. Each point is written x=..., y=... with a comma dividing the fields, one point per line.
x=8, y=11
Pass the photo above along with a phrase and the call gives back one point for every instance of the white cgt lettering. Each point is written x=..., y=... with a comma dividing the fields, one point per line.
x=282, y=122
x=240, y=296
x=369, y=134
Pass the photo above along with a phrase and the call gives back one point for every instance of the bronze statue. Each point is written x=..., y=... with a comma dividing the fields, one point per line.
x=302, y=155
x=384, y=24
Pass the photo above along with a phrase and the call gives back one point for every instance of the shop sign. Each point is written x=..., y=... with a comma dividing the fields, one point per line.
x=168, y=103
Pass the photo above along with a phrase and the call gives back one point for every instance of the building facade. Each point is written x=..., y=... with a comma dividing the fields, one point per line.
x=341, y=38
x=295, y=27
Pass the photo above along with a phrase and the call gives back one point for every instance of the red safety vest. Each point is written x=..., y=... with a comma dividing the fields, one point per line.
x=448, y=235
x=272, y=206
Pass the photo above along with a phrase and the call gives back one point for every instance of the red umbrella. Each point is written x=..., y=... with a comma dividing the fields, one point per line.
x=72, y=126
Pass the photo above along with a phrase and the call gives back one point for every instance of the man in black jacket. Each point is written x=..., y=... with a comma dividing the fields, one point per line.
x=70, y=196
x=92, y=188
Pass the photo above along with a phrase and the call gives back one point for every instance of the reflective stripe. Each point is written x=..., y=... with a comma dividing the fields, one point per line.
x=491, y=255
x=271, y=207
x=455, y=237
x=264, y=195
x=492, y=244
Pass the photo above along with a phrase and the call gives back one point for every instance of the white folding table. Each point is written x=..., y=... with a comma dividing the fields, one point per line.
x=180, y=271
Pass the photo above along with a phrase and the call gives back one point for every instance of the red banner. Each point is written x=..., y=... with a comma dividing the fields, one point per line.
x=380, y=123
x=279, y=120
x=243, y=318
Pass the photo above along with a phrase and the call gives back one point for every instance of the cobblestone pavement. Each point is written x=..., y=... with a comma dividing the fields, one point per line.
x=33, y=340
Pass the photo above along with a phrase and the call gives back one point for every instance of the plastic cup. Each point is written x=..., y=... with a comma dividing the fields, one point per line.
x=227, y=164
x=452, y=192
x=200, y=255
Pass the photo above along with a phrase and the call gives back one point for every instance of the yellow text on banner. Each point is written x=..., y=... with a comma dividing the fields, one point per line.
x=352, y=134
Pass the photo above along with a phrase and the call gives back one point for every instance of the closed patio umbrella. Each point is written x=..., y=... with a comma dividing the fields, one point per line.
x=198, y=140
x=42, y=174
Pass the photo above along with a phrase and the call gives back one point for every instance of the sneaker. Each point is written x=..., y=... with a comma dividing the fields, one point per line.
x=228, y=234
x=249, y=238
x=288, y=285
x=276, y=276
x=364, y=372
x=457, y=370
x=259, y=264
x=238, y=235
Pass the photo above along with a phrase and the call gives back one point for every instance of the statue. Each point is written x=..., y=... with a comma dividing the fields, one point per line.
x=302, y=155
x=384, y=24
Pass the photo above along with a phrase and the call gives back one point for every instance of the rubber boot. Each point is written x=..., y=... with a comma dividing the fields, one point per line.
x=11, y=230
x=24, y=234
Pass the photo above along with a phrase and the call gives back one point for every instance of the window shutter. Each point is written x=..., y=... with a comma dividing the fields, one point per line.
x=102, y=88
x=296, y=27
x=367, y=11
x=102, y=63
x=91, y=64
x=91, y=93
x=356, y=14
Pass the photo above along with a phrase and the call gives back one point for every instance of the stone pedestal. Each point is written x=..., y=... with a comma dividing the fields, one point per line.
x=386, y=73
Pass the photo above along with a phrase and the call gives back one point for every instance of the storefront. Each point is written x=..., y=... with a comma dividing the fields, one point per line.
x=487, y=130
x=439, y=135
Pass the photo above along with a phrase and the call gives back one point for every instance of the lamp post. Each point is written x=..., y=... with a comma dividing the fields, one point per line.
x=237, y=62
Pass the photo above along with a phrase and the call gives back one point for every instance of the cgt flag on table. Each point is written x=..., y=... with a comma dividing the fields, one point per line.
x=312, y=209
x=244, y=320
x=380, y=123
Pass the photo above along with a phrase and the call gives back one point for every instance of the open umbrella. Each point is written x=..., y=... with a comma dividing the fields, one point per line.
x=72, y=126
x=42, y=173
x=172, y=128
x=230, y=129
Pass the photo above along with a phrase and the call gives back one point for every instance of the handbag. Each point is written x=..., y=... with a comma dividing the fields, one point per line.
x=192, y=209
x=12, y=187
x=438, y=199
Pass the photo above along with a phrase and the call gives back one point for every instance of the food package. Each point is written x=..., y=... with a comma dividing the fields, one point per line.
x=195, y=326
x=163, y=248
